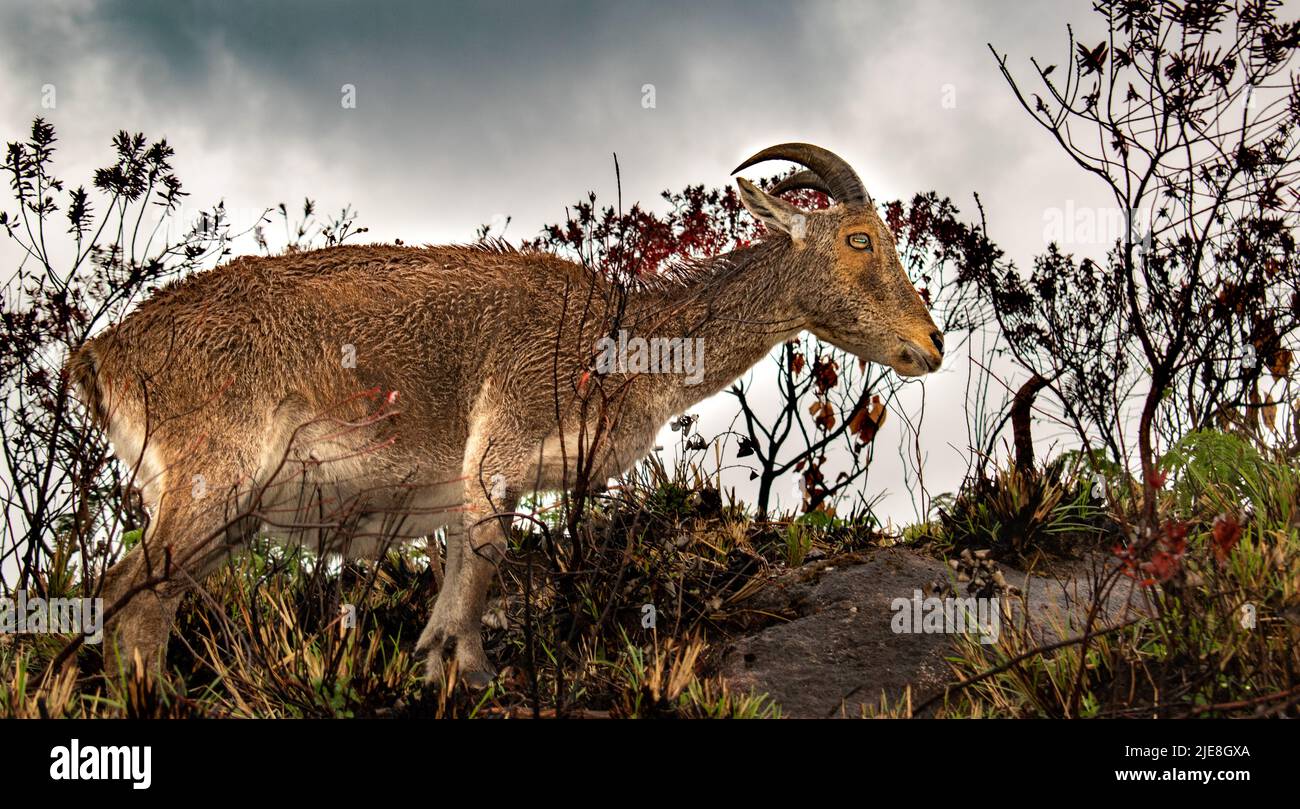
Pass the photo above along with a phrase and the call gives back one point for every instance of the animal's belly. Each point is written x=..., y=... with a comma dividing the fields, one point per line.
x=614, y=454
x=358, y=515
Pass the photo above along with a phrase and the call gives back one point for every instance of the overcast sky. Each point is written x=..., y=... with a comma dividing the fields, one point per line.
x=468, y=112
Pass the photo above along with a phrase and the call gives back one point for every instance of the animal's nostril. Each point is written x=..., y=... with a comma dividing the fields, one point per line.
x=937, y=339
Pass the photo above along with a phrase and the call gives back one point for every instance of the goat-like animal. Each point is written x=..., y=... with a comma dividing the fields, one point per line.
x=233, y=394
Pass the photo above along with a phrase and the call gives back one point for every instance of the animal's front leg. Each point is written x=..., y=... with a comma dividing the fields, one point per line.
x=475, y=548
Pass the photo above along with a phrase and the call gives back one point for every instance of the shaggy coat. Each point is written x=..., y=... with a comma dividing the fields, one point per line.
x=355, y=396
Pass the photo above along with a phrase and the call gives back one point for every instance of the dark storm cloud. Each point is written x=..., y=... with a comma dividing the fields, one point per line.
x=529, y=97
x=433, y=73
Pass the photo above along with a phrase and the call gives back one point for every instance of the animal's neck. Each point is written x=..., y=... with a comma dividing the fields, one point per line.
x=734, y=311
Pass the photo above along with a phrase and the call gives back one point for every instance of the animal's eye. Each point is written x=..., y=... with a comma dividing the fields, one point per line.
x=859, y=241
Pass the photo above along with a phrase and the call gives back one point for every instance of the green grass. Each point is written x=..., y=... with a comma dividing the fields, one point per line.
x=1221, y=634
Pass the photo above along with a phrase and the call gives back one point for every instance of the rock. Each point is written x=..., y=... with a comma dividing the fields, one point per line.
x=839, y=651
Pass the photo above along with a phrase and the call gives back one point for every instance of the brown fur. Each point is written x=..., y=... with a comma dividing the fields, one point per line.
x=226, y=393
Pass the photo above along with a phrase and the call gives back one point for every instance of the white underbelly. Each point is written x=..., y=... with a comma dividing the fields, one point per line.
x=617, y=454
x=355, y=518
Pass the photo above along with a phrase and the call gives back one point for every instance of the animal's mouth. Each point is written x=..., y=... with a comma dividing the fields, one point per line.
x=916, y=361
x=909, y=359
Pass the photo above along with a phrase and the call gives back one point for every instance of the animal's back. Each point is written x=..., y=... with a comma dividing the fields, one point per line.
x=324, y=323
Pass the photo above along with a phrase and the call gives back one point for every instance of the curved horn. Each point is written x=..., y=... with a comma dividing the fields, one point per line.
x=839, y=177
x=799, y=181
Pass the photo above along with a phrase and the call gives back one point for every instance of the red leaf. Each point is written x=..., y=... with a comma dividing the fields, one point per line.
x=867, y=422
x=796, y=364
x=1227, y=534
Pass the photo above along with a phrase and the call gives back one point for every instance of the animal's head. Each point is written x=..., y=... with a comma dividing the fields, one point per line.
x=855, y=293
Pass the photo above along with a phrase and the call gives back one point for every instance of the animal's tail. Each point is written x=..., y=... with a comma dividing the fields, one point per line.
x=82, y=369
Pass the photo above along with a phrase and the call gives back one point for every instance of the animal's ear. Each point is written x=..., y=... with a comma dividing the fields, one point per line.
x=776, y=214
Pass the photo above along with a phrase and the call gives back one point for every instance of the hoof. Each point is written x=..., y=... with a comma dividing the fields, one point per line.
x=477, y=679
x=446, y=650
